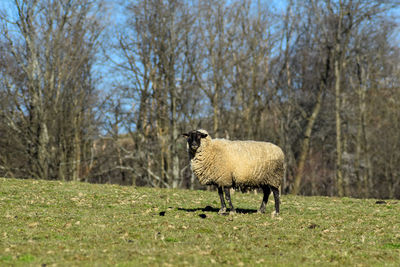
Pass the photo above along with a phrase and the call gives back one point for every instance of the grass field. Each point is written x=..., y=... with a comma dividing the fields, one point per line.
x=57, y=223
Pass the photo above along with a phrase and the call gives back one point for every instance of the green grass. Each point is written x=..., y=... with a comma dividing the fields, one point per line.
x=60, y=223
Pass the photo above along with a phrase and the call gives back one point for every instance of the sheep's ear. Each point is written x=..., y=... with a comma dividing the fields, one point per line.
x=203, y=135
x=186, y=135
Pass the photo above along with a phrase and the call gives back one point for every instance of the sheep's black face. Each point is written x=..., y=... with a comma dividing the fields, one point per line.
x=194, y=139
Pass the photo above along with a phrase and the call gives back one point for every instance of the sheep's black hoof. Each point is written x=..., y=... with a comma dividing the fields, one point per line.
x=275, y=214
x=261, y=211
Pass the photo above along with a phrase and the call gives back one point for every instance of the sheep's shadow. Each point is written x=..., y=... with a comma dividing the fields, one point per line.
x=212, y=209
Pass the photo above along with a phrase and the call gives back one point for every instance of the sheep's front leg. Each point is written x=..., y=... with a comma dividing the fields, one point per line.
x=221, y=197
x=228, y=198
x=264, y=202
x=276, y=198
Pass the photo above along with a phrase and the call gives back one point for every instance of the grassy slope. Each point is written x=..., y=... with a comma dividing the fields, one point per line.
x=61, y=223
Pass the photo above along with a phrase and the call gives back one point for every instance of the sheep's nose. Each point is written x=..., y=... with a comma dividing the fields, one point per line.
x=194, y=147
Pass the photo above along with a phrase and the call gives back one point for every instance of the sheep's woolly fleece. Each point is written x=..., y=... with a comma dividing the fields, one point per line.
x=238, y=163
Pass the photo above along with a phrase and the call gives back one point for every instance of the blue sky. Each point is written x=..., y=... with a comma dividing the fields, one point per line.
x=114, y=17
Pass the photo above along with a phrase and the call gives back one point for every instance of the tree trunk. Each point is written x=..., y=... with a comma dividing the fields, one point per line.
x=361, y=139
x=338, y=53
x=306, y=141
x=339, y=175
x=215, y=112
x=174, y=135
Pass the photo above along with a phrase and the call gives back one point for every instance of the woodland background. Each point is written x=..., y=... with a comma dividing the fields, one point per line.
x=100, y=91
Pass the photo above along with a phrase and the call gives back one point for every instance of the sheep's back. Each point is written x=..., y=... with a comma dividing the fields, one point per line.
x=256, y=163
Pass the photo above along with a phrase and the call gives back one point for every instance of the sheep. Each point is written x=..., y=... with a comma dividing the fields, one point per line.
x=236, y=164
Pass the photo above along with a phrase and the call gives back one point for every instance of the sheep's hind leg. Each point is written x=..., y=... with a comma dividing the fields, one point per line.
x=264, y=202
x=276, y=198
x=221, y=197
x=228, y=198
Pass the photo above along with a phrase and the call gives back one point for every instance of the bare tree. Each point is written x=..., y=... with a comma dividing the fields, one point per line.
x=214, y=53
x=152, y=55
x=320, y=78
x=50, y=45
